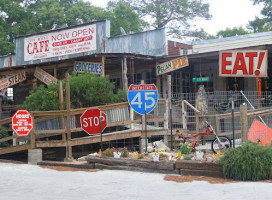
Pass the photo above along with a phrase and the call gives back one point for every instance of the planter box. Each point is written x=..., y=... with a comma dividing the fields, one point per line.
x=131, y=164
x=198, y=168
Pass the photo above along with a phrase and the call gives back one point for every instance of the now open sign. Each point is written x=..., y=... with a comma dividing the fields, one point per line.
x=243, y=63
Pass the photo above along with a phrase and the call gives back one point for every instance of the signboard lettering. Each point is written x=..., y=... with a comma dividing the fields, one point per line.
x=91, y=68
x=143, y=98
x=260, y=133
x=12, y=80
x=69, y=41
x=90, y=121
x=22, y=122
x=44, y=76
x=244, y=63
x=172, y=65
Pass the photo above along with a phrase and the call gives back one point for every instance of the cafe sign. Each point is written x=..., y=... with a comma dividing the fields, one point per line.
x=60, y=43
x=172, y=65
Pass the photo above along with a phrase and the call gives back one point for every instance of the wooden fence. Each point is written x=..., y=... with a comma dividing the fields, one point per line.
x=119, y=114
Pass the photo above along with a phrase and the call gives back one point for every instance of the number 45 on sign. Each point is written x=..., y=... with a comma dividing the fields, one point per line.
x=143, y=98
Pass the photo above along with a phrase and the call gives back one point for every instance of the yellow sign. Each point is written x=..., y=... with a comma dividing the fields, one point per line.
x=172, y=65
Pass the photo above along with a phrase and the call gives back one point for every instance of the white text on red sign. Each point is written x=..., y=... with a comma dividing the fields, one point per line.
x=142, y=87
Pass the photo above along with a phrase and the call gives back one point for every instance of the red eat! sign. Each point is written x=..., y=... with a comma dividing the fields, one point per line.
x=90, y=121
x=243, y=63
x=22, y=122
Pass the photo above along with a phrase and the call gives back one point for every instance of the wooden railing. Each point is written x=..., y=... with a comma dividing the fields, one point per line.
x=120, y=114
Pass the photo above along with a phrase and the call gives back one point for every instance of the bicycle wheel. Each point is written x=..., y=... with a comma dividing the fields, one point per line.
x=223, y=145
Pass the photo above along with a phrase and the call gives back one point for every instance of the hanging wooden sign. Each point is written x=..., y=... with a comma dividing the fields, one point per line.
x=172, y=65
x=44, y=76
x=12, y=79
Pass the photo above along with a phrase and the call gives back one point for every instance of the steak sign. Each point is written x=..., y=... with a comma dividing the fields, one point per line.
x=12, y=79
x=244, y=63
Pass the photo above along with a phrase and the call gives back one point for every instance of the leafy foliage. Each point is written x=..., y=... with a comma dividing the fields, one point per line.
x=3, y=134
x=124, y=152
x=85, y=91
x=265, y=23
x=21, y=17
x=170, y=13
x=185, y=148
x=229, y=32
x=108, y=152
x=121, y=16
x=250, y=161
x=43, y=99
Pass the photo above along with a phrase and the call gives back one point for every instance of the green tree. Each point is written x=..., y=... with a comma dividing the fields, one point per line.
x=265, y=23
x=85, y=90
x=229, y=32
x=21, y=17
x=171, y=13
x=121, y=15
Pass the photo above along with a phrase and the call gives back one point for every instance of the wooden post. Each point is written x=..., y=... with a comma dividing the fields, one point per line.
x=34, y=84
x=55, y=71
x=197, y=122
x=32, y=135
x=244, y=122
x=125, y=80
x=103, y=65
x=184, y=115
x=159, y=86
x=217, y=125
x=68, y=108
x=131, y=116
x=62, y=121
x=166, y=116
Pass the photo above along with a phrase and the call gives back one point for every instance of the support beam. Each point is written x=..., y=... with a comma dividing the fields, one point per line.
x=62, y=121
x=68, y=108
x=125, y=79
x=103, y=65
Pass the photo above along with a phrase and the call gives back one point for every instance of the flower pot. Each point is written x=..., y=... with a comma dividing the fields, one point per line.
x=156, y=157
x=116, y=154
x=199, y=155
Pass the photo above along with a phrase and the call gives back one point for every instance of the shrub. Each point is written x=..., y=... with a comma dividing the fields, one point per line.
x=185, y=148
x=124, y=152
x=3, y=134
x=108, y=152
x=250, y=161
x=86, y=90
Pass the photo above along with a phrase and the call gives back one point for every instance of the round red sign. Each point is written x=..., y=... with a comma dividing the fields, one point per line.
x=90, y=121
x=22, y=122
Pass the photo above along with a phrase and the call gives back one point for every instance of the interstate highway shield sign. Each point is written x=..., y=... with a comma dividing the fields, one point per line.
x=143, y=97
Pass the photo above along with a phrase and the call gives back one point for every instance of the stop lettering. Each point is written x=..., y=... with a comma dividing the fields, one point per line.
x=90, y=121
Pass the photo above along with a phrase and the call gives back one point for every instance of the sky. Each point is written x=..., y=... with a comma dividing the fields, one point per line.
x=226, y=14
x=31, y=182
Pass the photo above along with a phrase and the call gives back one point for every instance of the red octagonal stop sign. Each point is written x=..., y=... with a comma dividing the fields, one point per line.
x=22, y=122
x=90, y=121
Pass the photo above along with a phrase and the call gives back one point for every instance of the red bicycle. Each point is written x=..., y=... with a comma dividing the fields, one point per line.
x=219, y=143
